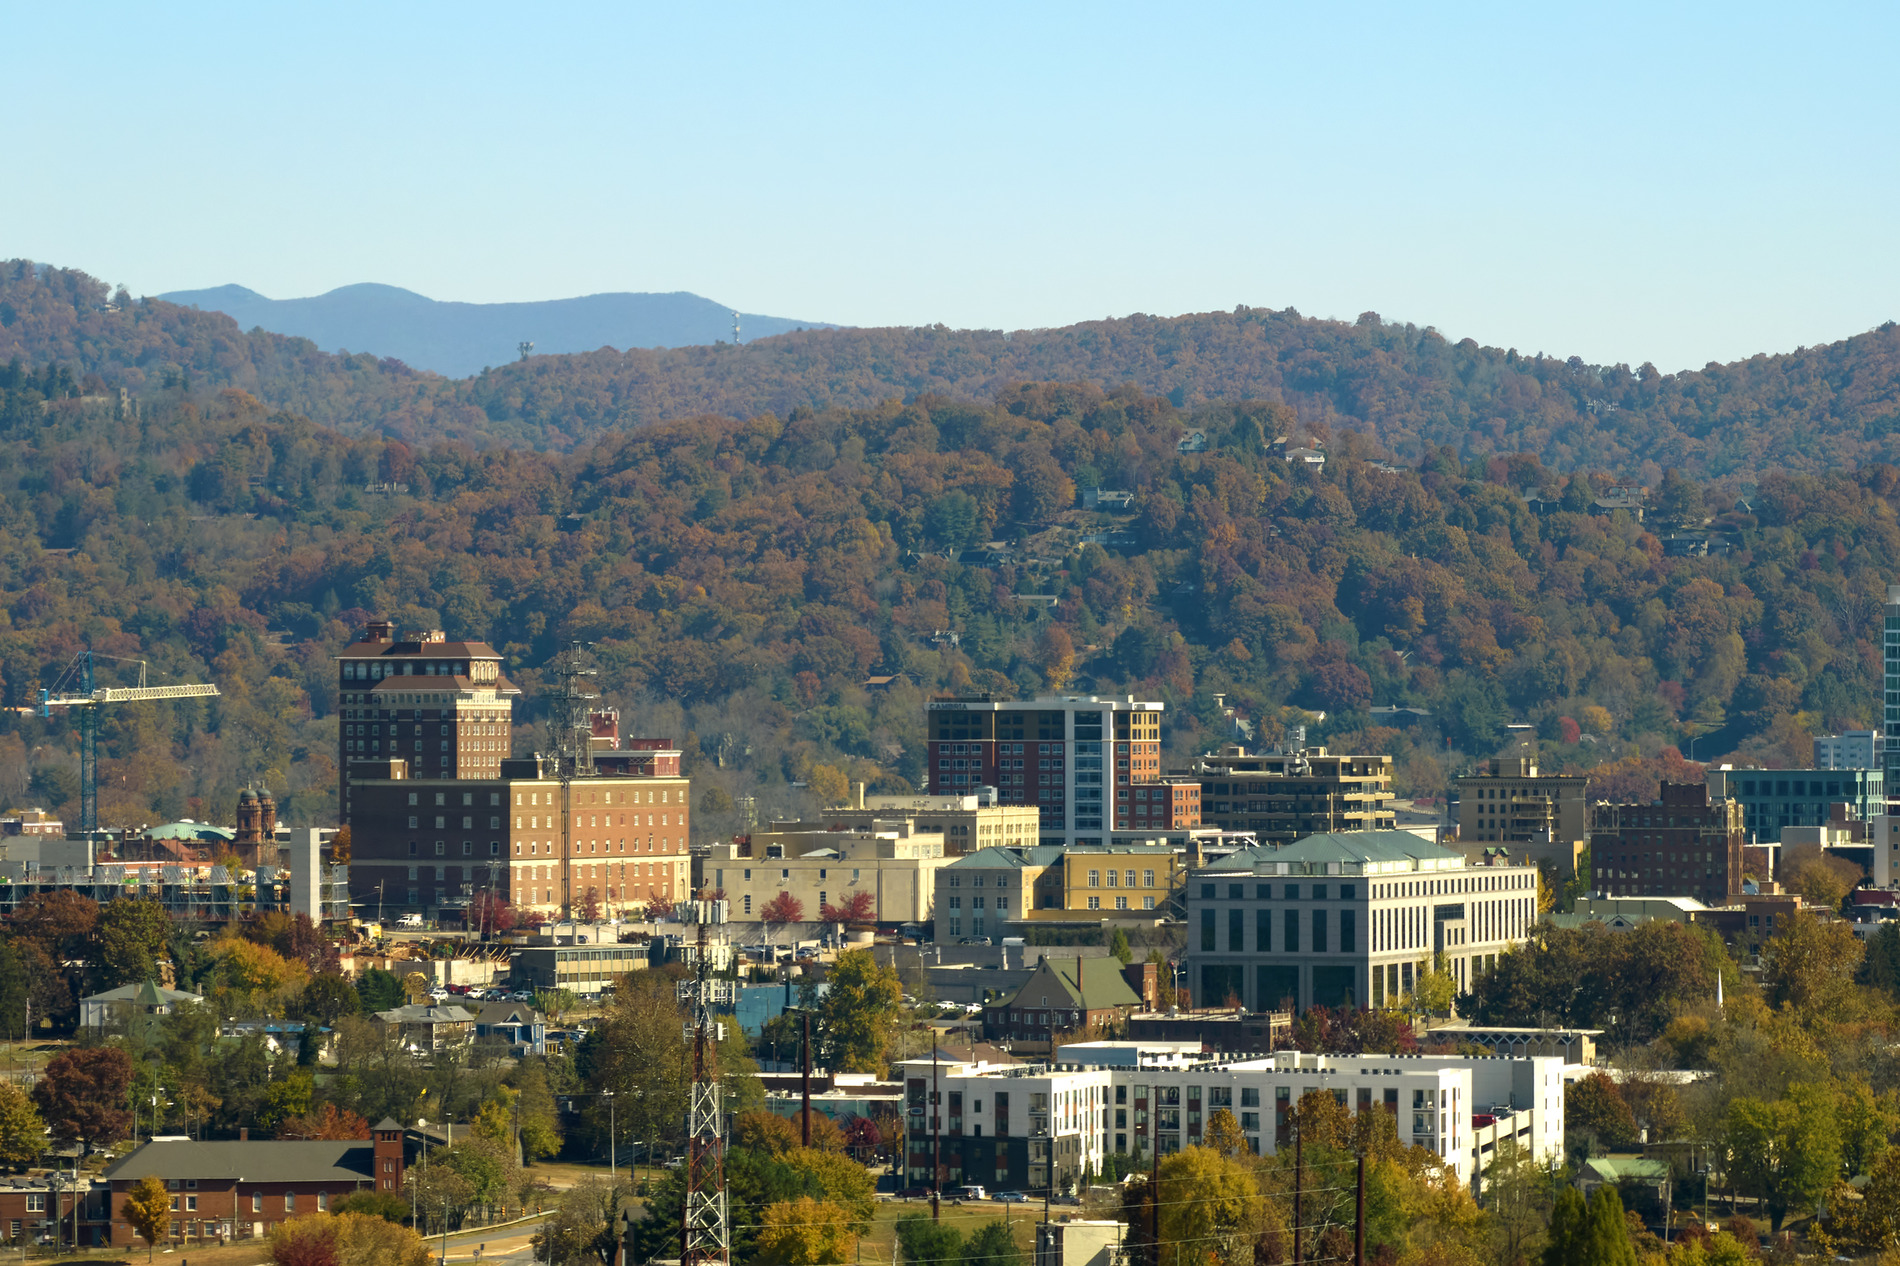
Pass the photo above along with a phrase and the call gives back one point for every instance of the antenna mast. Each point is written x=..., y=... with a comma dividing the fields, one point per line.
x=572, y=733
x=705, y=1233
x=735, y=329
x=525, y=348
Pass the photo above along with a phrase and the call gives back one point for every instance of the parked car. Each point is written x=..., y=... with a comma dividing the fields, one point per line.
x=914, y=1193
x=971, y=1193
x=409, y=921
x=1010, y=1197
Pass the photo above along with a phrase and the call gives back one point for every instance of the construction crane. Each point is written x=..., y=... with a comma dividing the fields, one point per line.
x=89, y=700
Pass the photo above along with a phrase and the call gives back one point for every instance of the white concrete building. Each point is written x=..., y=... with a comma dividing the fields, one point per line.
x=1036, y=1126
x=1850, y=749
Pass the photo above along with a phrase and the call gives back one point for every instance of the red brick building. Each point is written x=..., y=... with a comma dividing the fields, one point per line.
x=1681, y=845
x=239, y=1190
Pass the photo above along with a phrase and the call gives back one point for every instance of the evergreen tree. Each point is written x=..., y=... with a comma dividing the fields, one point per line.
x=1566, y=1230
x=1606, y=1238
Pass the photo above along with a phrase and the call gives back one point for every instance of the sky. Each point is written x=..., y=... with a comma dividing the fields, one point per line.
x=1665, y=183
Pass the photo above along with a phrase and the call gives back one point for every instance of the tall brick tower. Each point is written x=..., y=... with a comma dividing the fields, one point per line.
x=419, y=707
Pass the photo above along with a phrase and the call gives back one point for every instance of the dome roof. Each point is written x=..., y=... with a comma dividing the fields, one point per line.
x=246, y=796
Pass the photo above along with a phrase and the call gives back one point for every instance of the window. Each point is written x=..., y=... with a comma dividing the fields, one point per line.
x=1095, y=879
x=290, y=1202
x=1290, y=932
x=191, y=1204
x=1207, y=929
x=323, y=1201
x=1319, y=931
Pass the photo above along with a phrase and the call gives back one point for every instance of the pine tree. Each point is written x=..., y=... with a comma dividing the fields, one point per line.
x=1566, y=1230
x=1606, y=1237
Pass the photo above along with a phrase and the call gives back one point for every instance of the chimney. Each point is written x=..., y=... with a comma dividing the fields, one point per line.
x=860, y=795
x=244, y=1134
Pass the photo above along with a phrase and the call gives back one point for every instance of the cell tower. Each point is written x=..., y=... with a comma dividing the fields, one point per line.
x=570, y=731
x=526, y=349
x=570, y=728
x=705, y=1233
x=735, y=329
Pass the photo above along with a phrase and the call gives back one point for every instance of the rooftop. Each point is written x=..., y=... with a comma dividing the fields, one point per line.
x=1341, y=852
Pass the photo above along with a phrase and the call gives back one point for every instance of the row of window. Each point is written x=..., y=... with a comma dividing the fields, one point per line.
x=1147, y=878
x=1319, y=943
x=1288, y=892
x=1121, y=903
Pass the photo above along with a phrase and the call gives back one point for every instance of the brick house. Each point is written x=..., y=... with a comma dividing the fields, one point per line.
x=1063, y=996
x=224, y=1190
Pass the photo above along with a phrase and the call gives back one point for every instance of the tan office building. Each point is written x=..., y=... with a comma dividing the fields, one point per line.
x=1280, y=797
x=1544, y=817
x=891, y=860
x=967, y=823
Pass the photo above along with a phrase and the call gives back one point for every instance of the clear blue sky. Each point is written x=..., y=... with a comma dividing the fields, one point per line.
x=1621, y=182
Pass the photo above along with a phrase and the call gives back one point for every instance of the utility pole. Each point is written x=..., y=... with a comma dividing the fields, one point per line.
x=1299, y=1196
x=804, y=1134
x=1154, y=1176
x=705, y=1234
x=1359, y=1215
x=936, y=1139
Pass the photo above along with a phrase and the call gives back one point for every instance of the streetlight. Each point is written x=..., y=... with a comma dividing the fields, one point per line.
x=613, y=1168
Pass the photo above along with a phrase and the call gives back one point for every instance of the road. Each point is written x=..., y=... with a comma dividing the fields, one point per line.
x=504, y=1244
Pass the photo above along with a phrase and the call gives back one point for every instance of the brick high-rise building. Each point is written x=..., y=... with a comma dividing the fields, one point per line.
x=1685, y=844
x=441, y=707
x=440, y=811
x=1079, y=759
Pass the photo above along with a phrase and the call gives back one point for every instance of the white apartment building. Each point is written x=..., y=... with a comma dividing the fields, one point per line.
x=1850, y=749
x=1030, y=1127
x=1033, y=1126
x=1348, y=919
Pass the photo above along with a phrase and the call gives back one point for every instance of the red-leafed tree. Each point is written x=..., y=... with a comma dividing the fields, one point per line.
x=588, y=911
x=328, y=1122
x=82, y=1093
x=859, y=907
x=491, y=912
x=659, y=907
x=784, y=908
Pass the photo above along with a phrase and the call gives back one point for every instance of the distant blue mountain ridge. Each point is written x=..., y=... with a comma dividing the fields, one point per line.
x=459, y=339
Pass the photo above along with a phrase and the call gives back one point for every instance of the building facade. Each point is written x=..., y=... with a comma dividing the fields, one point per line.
x=241, y=1189
x=546, y=843
x=1078, y=759
x=1509, y=802
x=1686, y=844
x=1348, y=920
x=1129, y=880
x=1774, y=799
x=1042, y=1127
x=892, y=862
x=967, y=822
x=1280, y=797
x=442, y=708
x=1850, y=749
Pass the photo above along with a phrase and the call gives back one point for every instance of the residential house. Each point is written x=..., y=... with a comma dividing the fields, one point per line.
x=115, y=1008
x=517, y=1024
x=428, y=1027
x=1065, y=995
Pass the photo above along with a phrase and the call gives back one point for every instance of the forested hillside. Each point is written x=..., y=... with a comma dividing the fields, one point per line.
x=742, y=577
x=1408, y=390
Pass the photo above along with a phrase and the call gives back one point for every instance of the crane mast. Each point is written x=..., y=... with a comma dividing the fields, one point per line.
x=88, y=701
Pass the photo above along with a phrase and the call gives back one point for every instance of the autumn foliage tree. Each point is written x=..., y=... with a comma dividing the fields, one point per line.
x=82, y=1094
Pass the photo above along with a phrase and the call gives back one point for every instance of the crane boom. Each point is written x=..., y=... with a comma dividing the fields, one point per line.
x=127, y=694
x=88, y=702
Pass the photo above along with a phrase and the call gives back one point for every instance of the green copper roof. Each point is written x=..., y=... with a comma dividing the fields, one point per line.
x=1374, y=847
